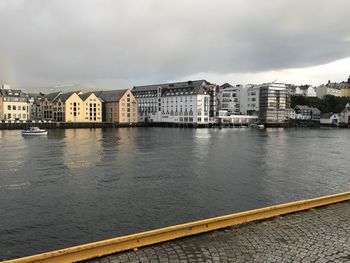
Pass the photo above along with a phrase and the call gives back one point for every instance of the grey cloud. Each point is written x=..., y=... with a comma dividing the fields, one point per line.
x=114, y=43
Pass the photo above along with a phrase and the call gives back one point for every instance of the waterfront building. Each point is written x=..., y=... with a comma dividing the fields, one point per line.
x=290, y=114
x=229, y=98
x=118, y=106
x=330, y=118
x=71, y=107
x=14, y=104
x=35, y=108
x=272, y=103
x=302, y=112
x=1, y=108
x=68, y=107
x=251, y=100
x=227, y=119
x=92, y=107
x=46, y=105
x=315, y=114
x=190, y=102
x=345, y=114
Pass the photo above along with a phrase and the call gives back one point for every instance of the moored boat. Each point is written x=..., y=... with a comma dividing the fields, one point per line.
x=34, y=131
x=257, y=126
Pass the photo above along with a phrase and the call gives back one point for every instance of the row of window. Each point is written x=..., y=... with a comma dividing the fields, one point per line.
x=15, y=116
x=14, y=107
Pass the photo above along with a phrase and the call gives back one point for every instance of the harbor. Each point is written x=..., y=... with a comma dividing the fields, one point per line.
x=150, y=178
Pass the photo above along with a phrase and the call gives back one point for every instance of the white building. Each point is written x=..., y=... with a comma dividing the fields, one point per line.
x=330, y=118
x=328, y=89
x=180, y=102
x=344, y=116
x=303, y=90
x=229, y=98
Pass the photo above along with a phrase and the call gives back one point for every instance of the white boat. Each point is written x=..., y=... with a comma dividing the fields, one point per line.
x=257, y=126
x=34, y=131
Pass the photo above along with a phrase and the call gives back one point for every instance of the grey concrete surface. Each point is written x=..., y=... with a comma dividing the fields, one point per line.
x=316, y=235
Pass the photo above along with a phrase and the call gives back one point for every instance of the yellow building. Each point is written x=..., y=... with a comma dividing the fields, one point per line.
x=72, y=107
x=92, y=107
x=119, y=106
x=14, y=104
x=345, y=92
x=343, y=86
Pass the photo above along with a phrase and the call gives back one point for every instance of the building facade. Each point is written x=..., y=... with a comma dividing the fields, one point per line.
x=46, y=105
x=35, y=108
x=181, y=102
x=14, y=103
x=273, y=103
x=71, y=107
x=92, y=107
x=304, y=112
x=118, y=106
x=330, y=118
x=328, y=89
x=229, y=98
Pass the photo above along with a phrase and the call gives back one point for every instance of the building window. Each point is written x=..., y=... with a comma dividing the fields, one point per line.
x=9, y=108
x=14, y=107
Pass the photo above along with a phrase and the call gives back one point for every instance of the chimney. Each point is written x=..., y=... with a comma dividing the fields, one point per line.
x=349, y=80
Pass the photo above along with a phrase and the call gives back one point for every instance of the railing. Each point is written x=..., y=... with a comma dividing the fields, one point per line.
x=106, y=247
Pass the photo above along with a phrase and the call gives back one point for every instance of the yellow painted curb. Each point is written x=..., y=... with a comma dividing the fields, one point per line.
x=106, y=247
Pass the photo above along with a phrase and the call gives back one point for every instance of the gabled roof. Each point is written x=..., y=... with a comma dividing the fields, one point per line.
x=195, y=85
x=110, y=95
x=302, y=107
x=52, y=96
x=314, y=109
x=226, y=85
x=327, y=115
x=84, y=96
x=37, y=97
x=65, y=96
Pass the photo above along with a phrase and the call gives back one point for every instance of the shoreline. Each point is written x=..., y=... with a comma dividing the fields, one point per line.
x=87, y=125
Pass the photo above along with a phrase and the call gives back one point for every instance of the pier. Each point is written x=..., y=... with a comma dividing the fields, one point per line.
x=316, y=235
x=314, y=230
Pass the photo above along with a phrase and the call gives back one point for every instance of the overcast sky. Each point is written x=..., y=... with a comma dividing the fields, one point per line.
x=122, y=43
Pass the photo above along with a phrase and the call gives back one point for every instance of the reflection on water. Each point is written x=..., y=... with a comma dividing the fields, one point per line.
x=82, y=148
x=81, y=185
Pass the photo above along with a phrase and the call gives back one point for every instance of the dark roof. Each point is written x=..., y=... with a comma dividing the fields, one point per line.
x=314, y=109
x=226, y=85
x=37, y=97
x=65, y=96
x=110, y=95
x=195, y=85
x=84, y=96
x=302, y=107
x=52, y=96
x=13, y=93
x=326, y=115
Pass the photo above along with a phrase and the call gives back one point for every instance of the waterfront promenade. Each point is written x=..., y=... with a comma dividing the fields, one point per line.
x=316, y=235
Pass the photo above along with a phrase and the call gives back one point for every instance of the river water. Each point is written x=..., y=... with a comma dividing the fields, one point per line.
x=82, y=185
